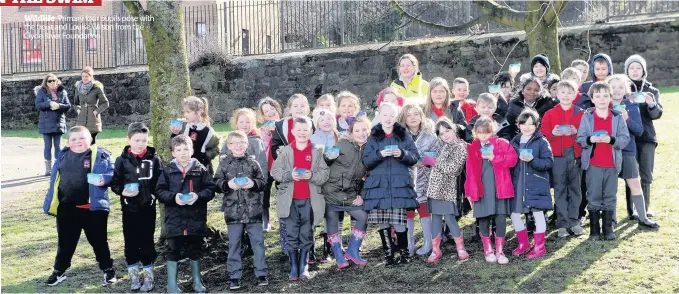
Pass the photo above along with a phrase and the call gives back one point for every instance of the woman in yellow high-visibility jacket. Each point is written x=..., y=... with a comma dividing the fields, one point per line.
x=410, y=82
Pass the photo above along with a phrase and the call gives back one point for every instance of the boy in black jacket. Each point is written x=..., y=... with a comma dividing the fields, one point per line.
x=185, y=187
x=134, y=179
x=240, y=178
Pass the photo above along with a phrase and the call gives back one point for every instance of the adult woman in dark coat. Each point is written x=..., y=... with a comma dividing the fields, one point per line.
x=51, y=100
x=90, y=102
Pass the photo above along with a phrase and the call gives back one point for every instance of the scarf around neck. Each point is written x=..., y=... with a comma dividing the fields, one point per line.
x=85, y=88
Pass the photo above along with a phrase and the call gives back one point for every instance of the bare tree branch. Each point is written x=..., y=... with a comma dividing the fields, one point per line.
x=558, y=6
x=400, y=10
x=502, y=14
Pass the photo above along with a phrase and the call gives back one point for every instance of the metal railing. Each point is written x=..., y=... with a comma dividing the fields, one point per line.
x=268, y=26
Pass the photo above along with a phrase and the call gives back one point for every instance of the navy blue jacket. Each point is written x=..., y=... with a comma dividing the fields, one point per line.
x=389, y=184
x=51, y=121
x=537, y=171
x=634, y=125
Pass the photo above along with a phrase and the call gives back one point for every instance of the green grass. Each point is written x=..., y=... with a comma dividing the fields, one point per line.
x=638, y=261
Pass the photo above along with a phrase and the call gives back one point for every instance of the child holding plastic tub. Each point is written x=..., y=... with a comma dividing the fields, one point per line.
x=531, y=181
x=388, y=95
x=560, y=126
x=78, y=196
x=135, y=177
x=442, y=189
x=245, y=120
x=389, y=188
x=349, y=105
x=240, y=178
x=650, y=107
x=269, y=112
x=602, y=134
x=196, y=125
x=297, y=106
x=325, y=138
x=301, y=171
x=620, y=90
x=422, y=130
x=489, y=185
x=185, y=187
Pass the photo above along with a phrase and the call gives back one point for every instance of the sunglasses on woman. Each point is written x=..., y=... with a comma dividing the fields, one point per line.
x=51, y=81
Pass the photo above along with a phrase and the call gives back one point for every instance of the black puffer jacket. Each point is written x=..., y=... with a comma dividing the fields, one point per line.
x=517, y=105
x=127, y=170
x=185, y=219
x=240, y=206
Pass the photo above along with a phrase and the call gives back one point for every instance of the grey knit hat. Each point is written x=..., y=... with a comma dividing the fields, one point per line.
x=636, y=58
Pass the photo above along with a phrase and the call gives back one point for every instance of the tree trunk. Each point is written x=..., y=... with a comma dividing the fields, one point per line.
x=163, y=35
x=543, y=36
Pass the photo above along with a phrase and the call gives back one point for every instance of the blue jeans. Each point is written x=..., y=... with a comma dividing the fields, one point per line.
x=49, y=140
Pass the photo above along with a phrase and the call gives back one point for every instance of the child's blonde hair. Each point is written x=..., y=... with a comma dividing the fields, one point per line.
x=429, y=105
x=359, y=119
x=321, y=112
x=570, y=73
x=567, y=85
x=426, y=125
x=484, y=125
x=390, y=106
x=623, y=78
x=351, y=96
x=198, y=104
x=247, y=112
x=487, y=98
x=327, y=97
x=292, y=99
x=271, y=102
x=577, y=62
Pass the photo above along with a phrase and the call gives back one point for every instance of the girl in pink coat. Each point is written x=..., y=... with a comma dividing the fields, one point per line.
x=489, y=184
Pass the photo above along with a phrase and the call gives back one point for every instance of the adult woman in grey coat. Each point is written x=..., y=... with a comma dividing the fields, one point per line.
x=421, y=129
x=51, y=100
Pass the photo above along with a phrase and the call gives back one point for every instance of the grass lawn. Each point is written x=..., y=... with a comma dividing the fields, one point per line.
x=638, y=261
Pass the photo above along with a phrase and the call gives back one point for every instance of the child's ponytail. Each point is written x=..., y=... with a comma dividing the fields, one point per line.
x=198, y=104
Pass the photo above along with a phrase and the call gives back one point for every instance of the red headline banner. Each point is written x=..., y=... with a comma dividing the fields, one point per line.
x=50, y=2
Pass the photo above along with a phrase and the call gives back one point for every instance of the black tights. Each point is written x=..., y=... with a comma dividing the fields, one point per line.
x=500, y=225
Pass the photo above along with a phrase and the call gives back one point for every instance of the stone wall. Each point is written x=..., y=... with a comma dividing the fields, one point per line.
x=127, y=92
x=366, y=69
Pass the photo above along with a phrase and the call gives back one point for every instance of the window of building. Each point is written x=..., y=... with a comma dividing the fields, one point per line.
x=91, y=45
x=268, y=44
x=201, y=31
x=31, y=46
x=246, y=41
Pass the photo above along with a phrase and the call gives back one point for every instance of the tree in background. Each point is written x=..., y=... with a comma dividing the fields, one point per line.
x=540, y=21
x=162, y=28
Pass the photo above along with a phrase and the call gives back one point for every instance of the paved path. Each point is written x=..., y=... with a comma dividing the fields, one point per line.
x=22, y=167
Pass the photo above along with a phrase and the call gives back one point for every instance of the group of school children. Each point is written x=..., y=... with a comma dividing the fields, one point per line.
x=431, y=150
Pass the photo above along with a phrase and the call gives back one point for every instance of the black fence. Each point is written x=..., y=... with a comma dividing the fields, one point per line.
x=269, y=26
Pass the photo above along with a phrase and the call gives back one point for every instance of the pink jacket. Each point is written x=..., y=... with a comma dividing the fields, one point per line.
x=505, y=159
